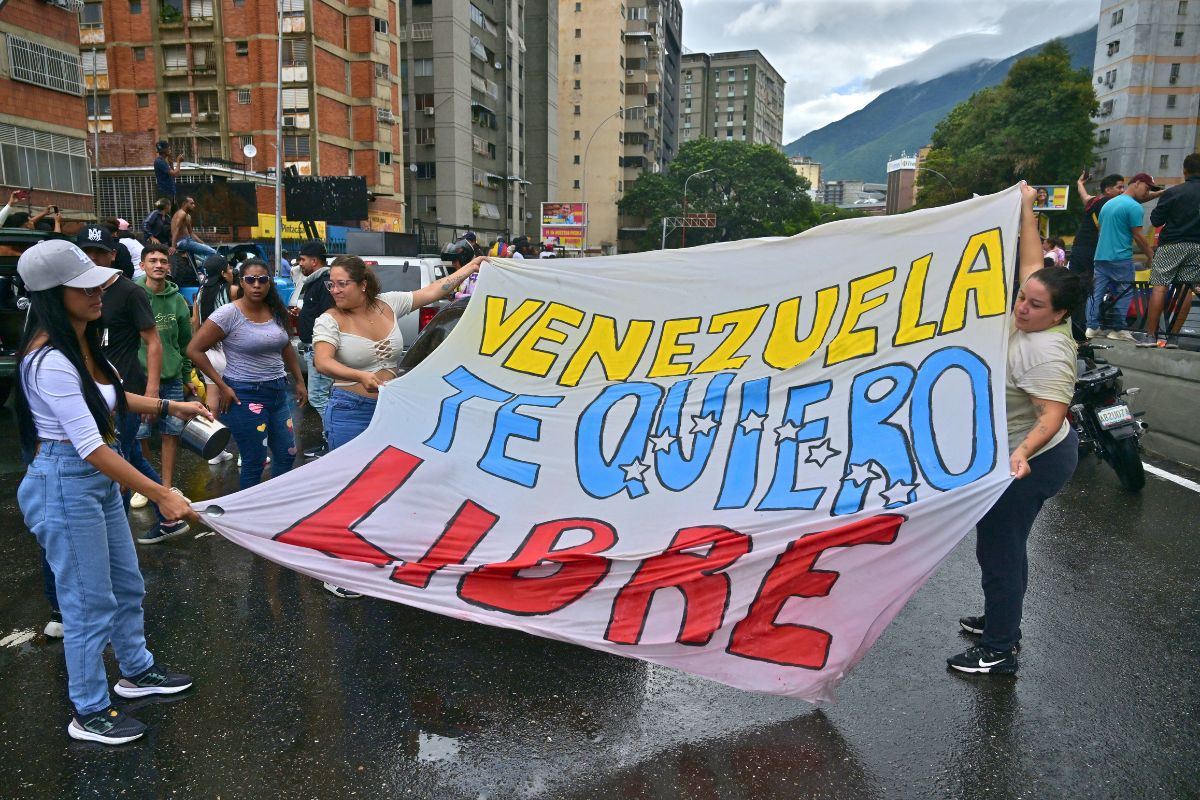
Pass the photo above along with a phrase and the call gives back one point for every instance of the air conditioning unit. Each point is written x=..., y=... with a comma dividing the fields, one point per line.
x=289, y=120
x=628, y=73
x=428, y=111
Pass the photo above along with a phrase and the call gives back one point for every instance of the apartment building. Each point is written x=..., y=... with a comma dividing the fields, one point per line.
x=466, y=66
x=203, y=75
x=618, y=77
x=1147, y=80
x=43, y=124
x=808, y=169
x=732, y=96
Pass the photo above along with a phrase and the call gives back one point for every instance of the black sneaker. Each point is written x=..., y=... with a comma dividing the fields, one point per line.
x=109, y=726
x=972, y=624
x=156, y=680
x=316, y=452
x=980, y=659
x=345, y=594
x=163, y=531
x=54, y=628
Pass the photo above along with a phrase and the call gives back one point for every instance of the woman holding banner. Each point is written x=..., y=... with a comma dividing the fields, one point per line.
x=1039, y=386
x=358, y=343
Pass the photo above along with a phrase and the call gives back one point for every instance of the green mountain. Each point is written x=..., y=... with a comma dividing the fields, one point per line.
x=857, y=147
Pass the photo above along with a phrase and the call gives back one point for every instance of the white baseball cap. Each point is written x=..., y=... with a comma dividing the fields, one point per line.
x=57, y=262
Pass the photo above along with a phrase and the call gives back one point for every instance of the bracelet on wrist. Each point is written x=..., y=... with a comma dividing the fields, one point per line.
x=164, y=407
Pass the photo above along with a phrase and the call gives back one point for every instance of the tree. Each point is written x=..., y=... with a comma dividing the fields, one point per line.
x=1035, y=126
x=752, y=189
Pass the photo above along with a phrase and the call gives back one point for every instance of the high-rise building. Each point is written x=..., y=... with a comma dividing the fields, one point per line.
x=541, y=99
x=616, y=111
x=465, y=67
x=808, y=169
x=732, y=96
x=901, y=184
x=203, y=75
x=43, y=123
x=1147, y=79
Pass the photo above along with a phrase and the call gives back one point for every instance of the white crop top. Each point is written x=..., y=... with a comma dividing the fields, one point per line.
x=55, y=393
x=359, y=352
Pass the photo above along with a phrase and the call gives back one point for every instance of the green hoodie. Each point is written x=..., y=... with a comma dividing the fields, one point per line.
x=174, y=321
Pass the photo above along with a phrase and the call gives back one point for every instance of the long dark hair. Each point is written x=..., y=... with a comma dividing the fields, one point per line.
x=214, y=286
x=1067, y=289
x=48, y=314
x=273, y=300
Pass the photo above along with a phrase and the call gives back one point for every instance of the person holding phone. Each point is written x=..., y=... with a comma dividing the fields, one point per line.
x=67, y=393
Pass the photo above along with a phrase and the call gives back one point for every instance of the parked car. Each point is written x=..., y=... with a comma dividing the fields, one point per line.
x=13, y=302
x=235, y=254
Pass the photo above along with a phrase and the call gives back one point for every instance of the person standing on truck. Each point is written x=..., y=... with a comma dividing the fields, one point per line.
x=315, y=300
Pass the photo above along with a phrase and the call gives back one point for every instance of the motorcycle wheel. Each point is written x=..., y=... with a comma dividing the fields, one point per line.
x=1128, y=464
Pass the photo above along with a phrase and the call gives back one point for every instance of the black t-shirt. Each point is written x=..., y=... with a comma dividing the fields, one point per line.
x=317, y=300
x=1088, y=234
x=125, y=314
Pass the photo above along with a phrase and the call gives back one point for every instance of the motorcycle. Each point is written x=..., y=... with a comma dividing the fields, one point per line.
x=1101, y=416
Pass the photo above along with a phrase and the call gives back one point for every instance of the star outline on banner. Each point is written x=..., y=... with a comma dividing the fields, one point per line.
x=860, y=474
x=704, y=424
x=899, y=493
x=820, y=453
x=662, y=442
x=752, y=422
x=635, y=470
x=787, y=430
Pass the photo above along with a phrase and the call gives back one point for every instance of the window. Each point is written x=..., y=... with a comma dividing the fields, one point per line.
x=243, y=97
x=425, y=136
x=578, y=111
x=576, y=161
x=476, y=15
x=575, y=185
x=1117, y=16
x=1170, y=101
x=638, y=13
x=578, y=7
x=423, y=67
x=578, y=58
x=247, y=140
x=385, y=159
x=578, y=33
x=424, y=100
x=1102, y=165
x=1114, y=47
x=1164, y=162
x=1106, y=108
x=143, y=101
x=1103, y=136
x=139, y=54
x=43, y=160
x=241, y=48
x=295, y=146
x=93, y=63
x=295, y=52
x=576, y=136
x=1168, y=132
x=99, y=106
x=135, y=6
x=381, y=25
x=1183, y=7
x=382, y=70
x=426, y=170
x=43, y=66
x=179, y=105
x=1179, y=38
x=202, y=58
x=200, y=9
x=1174, y=72
x=292, y=8
x=92, y=16
x=578, y=84
x=174, y=57
x=295, y=101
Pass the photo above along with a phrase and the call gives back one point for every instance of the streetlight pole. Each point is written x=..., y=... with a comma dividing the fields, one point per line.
x=583, y=175
x=683, y=230
x=953, y=191
x=279, y=144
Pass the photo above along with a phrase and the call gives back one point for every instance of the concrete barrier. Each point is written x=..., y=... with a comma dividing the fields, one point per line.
x=1170, y=395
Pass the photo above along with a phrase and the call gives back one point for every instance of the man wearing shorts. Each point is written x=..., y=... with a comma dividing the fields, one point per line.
x=1177, y=257
x=174, y=322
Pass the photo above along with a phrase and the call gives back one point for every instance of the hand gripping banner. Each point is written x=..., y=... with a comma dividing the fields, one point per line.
x=737, y=460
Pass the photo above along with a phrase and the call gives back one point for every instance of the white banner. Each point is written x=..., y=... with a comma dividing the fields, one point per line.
x=738, y=460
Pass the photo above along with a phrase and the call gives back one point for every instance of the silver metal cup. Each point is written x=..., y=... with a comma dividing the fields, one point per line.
x=208, y=438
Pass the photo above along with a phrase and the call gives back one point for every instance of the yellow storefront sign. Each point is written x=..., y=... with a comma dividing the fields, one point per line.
x=291, y=230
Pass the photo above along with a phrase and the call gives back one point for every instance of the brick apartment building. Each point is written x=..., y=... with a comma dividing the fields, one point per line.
x=42, y=116
x=202, y=74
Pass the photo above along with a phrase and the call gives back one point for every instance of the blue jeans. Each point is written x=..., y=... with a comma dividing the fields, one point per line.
x=1117, y=277
x=189, y=245
x=75, y=512
x=131, y=450
x=319, y=385
x=168, y=426
x=346, y=416
x=262, y=419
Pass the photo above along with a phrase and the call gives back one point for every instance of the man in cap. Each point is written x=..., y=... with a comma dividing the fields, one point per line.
x=315, y=300
x=128, y=322
x=164, y=173
x=1120, y=225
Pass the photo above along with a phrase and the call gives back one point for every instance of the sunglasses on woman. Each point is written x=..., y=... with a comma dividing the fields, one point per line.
x=256, y=280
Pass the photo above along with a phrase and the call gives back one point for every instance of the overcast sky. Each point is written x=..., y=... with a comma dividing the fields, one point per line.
x=839, y=55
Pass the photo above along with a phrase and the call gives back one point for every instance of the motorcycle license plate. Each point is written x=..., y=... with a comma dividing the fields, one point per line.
x=1113, y=416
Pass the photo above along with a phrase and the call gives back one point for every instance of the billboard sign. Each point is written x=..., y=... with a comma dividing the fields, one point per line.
x=1050, y=198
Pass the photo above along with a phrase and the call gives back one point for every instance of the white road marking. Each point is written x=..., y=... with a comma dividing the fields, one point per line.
x=1167, y=476
x=17, y=638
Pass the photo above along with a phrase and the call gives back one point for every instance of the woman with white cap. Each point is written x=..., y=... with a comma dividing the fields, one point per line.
x=70, y=496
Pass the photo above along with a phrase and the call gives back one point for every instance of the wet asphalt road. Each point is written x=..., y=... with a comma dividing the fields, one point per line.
x=302, y=695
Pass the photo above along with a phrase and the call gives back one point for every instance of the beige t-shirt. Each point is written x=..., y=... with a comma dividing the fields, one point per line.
x=1040, y=365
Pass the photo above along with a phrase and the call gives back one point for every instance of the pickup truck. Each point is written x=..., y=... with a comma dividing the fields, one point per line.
x=13, y=303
